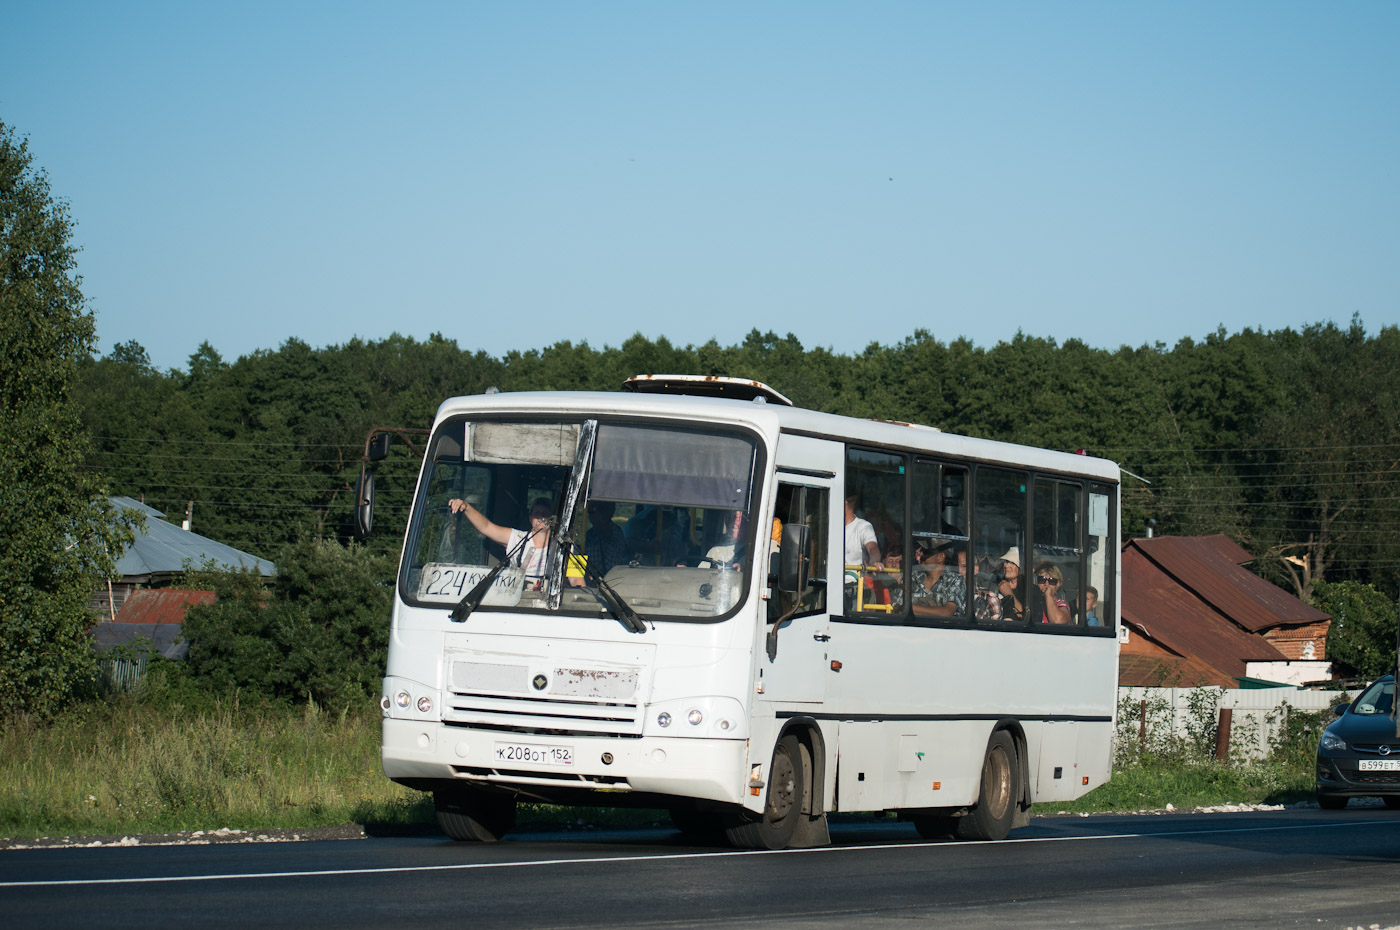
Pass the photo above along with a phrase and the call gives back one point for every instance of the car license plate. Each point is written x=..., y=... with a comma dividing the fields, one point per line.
x=1379, y=765
x=533, y=754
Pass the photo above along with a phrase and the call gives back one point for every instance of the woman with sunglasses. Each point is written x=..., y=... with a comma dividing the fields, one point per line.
x=1048, y=579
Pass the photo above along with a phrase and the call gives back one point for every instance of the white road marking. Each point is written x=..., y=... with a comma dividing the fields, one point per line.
x=536, y=863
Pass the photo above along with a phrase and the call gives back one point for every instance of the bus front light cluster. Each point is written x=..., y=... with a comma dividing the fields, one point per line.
x=400, y=698
x=703, y=716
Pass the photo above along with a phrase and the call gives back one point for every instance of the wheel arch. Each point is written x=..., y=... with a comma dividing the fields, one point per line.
x=813, y=743
x=1017, y=733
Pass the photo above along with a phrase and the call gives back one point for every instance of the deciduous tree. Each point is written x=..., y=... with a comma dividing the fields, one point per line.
x=57, y=538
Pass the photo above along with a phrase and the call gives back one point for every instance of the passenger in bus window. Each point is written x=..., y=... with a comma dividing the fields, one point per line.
x=939, y=591
x=1048, y=579
x=986, y=602
x=530, y=556
x=605, y=545
x=725, y=551
x=892, y=579
x=1091, y=606
x=861, y=547
x=659, y=533
x=1009, y=585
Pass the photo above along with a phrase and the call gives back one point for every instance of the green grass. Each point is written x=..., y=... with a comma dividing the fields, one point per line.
x=133, y=767
x=173, y=760
x=1153, y=784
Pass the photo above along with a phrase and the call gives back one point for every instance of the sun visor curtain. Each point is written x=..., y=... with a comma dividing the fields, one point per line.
x=523, y=443
x=654, y=465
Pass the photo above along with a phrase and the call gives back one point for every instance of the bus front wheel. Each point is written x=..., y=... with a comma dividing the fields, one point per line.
x=782, y=809
x=1001, y=791
x=477, y=816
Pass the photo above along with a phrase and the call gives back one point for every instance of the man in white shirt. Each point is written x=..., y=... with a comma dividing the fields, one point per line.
x=861, y=547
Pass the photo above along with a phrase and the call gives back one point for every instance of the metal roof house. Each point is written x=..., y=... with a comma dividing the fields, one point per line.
x=165, y=550
x=140, y=604
x=1193, y=614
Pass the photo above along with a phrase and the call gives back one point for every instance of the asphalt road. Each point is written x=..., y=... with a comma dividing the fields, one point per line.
x=1269, y=869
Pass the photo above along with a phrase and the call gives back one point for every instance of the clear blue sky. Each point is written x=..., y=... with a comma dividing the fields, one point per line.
x=516, y=174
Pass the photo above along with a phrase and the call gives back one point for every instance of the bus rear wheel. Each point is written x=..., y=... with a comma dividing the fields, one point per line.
x=782, y=809
x=479, y=816
x=1001, y=791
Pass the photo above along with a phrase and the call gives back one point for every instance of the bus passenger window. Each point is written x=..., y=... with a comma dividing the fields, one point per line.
x=939, y=575
x=874, y=522
x=999, y=538
x=1098, y=559
x=1057, y=593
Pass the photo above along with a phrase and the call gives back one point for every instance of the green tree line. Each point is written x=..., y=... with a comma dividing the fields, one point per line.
x=1287, y=441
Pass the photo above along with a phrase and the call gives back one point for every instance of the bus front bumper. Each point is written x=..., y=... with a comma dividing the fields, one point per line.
x=426, y=751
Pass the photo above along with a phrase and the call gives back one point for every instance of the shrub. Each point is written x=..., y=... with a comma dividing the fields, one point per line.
x=320, y=632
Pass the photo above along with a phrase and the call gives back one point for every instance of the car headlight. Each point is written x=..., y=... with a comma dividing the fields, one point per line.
x=1332, y=743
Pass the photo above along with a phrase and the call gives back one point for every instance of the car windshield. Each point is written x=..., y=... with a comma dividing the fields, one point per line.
x=1376, y=699
x=660, y=516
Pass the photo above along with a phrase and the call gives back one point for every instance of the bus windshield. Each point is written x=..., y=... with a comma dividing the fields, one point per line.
x=661, y=516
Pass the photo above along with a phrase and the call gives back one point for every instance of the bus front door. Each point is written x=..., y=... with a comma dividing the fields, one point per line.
x=795, y=663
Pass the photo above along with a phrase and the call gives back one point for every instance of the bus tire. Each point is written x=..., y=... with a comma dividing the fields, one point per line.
x=782, y=809
x=474, y=816
x=1000, y=792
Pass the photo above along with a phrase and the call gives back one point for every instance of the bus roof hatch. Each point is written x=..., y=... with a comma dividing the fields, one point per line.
x=705, y=386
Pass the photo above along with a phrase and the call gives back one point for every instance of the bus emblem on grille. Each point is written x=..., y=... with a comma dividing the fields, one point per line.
x=1385, y=750
x=540, y=682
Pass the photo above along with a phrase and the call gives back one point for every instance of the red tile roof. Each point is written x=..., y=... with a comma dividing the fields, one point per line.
x=161, y=605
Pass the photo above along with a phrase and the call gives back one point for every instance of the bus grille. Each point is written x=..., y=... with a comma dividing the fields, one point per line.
x=591, y=701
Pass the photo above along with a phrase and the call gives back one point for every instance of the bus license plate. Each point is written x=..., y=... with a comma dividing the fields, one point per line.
x=1379, y=765
x=533, y=754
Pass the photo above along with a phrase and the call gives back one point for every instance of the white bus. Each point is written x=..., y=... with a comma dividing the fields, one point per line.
x=689, y=627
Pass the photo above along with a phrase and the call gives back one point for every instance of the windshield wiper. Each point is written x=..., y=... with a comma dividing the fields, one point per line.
x=477, y=594
x=616, y=603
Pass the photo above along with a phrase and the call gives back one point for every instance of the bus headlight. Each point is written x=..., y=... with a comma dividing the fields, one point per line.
x=403, y=699
x=425, y=705
x=712, y=717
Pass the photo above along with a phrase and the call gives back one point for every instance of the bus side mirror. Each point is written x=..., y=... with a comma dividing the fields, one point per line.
x=377, y=449
x=364, y=502
x=792, y=558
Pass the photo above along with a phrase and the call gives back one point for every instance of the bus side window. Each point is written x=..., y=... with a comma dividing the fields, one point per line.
x=1058, y=587
x=999, y=538
x=875, y=496
x=1098, y=558
x=802, y=506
